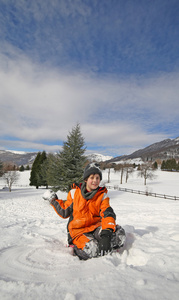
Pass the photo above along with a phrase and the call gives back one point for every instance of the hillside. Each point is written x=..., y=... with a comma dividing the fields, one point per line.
x=163, y=150
x=27, y=158
x=18, y=158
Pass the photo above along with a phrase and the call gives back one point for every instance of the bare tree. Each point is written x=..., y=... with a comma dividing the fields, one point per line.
x=124, y=169
x=120, y=167
x=109, y=171
x=10, y=174
x=147, y=172
x=109, y=166
x=128, y=169
x=122, y=172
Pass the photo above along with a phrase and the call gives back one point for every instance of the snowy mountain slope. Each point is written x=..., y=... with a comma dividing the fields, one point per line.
x=17, y=157
x=36, y=264
x=166, y=149
x=98, y=157
x=157, y=148
x=162, y=150
x=26, y=158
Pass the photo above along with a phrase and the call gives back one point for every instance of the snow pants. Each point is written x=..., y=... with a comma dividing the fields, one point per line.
x=86, y=245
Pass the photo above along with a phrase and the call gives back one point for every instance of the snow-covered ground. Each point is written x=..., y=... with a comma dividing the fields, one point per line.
x=36, y=264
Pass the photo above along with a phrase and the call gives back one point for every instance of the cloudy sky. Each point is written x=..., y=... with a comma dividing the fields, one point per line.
x=110, y=65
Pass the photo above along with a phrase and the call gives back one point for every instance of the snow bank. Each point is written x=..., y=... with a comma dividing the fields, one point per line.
x=36, y=264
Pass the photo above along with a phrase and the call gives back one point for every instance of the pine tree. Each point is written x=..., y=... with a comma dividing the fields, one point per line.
x=34, y=171
x=53, y=171
x=49, y=170
x=21, y=169
x=71, y=159
x=1, y=168
x=41, y=174
x=163, y=166
x=155, y=165
x=36, y=177
x=178, y=166
x=172, y=164
x=169, y=165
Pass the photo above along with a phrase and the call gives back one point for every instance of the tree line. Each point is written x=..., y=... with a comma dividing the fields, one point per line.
x=170, y=165
x=145, y=171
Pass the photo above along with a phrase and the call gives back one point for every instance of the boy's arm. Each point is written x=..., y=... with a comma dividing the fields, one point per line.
x=107, y=214
x=63, y=208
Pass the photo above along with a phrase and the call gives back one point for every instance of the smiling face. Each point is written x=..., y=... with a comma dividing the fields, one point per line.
x=92, y=182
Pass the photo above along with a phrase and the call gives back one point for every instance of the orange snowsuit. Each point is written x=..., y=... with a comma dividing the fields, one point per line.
x=85, y=215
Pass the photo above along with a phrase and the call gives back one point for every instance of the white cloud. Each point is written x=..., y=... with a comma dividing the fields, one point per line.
x=40, y=104
x=122, y=137
x=14, y=144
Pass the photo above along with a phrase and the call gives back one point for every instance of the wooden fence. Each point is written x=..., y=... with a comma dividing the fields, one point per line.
x=146, y=193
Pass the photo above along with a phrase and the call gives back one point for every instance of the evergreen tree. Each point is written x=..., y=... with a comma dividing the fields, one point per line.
x=42, y=173
x=71, y=159
x=155, y=165
x=34, y=171
x=21, y=169
x=1, y=168
x=36, y=177
x=178, y=166
x=52, y=172
x=163, y=166
x=169, y=165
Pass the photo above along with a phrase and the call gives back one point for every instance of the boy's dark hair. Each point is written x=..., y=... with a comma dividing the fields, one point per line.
x=92, y=168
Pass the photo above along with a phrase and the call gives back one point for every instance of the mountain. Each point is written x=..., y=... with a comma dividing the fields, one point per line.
x=98, y=157
x=26, y=158
x=163, y=150
x=18, y=157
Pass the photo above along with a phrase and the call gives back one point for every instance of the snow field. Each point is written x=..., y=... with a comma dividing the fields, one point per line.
x=35, y=262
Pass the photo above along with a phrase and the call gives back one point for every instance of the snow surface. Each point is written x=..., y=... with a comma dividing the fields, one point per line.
x=36, y=264
x=98, y=157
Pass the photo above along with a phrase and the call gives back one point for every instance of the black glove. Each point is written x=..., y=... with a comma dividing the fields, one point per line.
x=53, y=197
x=105, y=242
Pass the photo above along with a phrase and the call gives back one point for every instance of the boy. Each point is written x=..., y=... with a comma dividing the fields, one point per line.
x=91, y=227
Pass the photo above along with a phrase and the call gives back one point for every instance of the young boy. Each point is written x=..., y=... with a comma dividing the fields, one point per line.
x=91, y=227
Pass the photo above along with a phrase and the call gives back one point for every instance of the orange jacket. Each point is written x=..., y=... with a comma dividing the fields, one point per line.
x=85, y=215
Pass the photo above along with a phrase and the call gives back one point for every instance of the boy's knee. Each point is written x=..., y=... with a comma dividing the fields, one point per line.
x=90, y=250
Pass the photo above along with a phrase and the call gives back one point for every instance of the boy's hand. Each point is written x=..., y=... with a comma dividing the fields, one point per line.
x=49, y=196
x=105, y=242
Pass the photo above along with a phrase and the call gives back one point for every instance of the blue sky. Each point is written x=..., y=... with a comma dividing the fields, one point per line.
x=110, y=65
